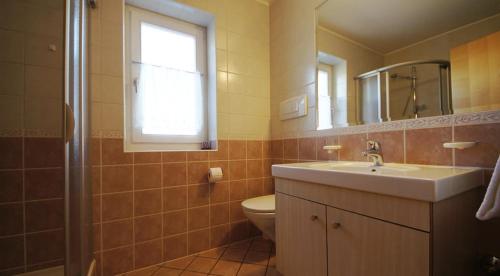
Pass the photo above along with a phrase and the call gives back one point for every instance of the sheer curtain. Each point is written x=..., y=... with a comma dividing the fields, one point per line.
x=170, y=101
x=324, y=100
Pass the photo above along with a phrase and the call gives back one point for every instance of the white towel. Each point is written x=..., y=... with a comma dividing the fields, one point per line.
x=490, y=208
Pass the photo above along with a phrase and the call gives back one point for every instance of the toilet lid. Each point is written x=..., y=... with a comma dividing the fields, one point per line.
x=261, y=204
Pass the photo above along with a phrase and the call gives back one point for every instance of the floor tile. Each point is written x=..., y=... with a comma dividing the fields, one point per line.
x=191, y=273
x=272, y=261
x=213, y=253
x=257, y=257
x=271, y=271
x=165, y=271
x=226, y=268
x=203, y=265
x=261, y=245
x=241, y=245
x=143, y=272
x=253, y=257
x=181, y=263
x=252, y=270
x=234, y=254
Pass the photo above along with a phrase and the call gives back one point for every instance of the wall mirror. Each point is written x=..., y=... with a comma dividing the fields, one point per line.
x=397, y=60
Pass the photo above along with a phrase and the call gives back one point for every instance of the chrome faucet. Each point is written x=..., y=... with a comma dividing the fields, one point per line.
x=373, y=152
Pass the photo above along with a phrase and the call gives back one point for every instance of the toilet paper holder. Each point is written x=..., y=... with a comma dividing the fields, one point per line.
x=215, y=174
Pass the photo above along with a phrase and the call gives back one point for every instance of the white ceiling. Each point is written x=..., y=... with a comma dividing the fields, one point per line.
x=387, y=25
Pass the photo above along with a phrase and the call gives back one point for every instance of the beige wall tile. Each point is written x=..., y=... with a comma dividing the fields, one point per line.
x=112, y=10
x=43, y=114
x=11, y=112
x=44, y=20
x=112, y=116
x=37, y=51
x=11, y=48
x=11, y=78
x=12, y=15
x=95, y=84
x=221, y=60
x=96, y=115
x=111, y=89
x=44, y=82
x=94, y=59
x=112, y=61
x=221, y=38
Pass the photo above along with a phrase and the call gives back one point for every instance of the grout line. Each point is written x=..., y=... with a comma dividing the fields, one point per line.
x=453, y=140
x=404, y=146
x=162, y=179
x=101, y=254
x=133, y=211
x=24, y=203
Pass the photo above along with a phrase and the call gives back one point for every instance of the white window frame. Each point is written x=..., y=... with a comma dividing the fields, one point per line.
x=329, y=71
x=135, y=140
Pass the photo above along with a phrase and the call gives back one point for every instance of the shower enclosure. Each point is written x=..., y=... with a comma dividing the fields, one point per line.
x=405, y=90
x=45, y=218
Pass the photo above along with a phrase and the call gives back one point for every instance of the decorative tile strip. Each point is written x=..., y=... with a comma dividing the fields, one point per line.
x=43, y=133
x=490, y=117
x=473, y=118
x=484, y=117
x=95, y=133
x=386, y=126
x=429, y=122
x=11, y=132
x=467, y=119
x=111, y=134
x=351, y=130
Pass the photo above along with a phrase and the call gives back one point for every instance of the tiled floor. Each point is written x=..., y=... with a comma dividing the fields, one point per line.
x=255, y=257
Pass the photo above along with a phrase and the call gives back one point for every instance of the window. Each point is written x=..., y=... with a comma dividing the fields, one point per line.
x=166, y=76
x=325, y=78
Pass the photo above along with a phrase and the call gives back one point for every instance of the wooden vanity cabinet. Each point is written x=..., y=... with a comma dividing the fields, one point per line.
x=302, y=236
x=324, y=230
x=359, y=245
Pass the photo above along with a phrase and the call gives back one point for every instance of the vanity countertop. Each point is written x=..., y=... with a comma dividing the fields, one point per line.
x=420, y=182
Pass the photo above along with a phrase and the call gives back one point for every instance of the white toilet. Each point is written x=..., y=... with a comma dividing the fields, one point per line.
x=260, y=211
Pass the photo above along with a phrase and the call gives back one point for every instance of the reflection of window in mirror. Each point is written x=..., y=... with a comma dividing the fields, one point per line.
x=332, y=91
x=325, y=79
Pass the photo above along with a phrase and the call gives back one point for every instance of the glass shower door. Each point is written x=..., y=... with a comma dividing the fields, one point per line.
x=78, y=204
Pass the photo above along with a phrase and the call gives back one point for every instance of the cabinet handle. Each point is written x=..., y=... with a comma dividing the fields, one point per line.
x=314, y=217
x=336, y=225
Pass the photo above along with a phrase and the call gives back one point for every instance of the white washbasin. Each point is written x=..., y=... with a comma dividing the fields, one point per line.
x=363, y=167
x=421, y=182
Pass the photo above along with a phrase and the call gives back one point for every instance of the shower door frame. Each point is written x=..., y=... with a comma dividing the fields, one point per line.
x=78, y=193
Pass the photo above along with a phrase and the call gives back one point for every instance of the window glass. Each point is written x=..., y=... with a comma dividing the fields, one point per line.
x=164, y=47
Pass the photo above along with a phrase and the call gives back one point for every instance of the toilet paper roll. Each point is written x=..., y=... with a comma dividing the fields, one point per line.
x=214, y=175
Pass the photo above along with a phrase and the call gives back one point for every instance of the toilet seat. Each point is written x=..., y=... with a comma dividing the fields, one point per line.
x=261, y=204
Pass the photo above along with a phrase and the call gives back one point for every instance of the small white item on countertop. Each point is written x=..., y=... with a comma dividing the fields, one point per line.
x=490, y=208
x=215, y=174
x=459, y=145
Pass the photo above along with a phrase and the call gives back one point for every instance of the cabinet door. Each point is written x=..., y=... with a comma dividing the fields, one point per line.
x=300, y=236
x=359, y=245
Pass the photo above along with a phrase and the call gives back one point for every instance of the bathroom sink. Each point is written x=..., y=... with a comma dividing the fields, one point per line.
x=421, y=182
x=362, y=167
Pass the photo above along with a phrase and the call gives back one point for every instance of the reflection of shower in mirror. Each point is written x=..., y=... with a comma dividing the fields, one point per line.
x=405, y=90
